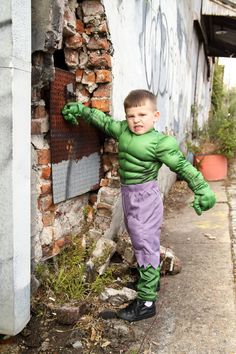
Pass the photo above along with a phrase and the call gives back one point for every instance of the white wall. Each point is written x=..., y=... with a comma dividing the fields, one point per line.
x=156, y=48
x=15, y=94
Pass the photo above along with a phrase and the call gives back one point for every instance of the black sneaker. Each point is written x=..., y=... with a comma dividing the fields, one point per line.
x=137, y=311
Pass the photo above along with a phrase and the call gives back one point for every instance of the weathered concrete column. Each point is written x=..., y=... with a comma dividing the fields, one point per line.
x=15, y=103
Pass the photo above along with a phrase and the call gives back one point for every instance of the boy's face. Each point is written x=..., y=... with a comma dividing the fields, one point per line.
x=141, y=119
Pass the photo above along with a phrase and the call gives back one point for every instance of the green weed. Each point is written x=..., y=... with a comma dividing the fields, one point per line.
x=64, y=276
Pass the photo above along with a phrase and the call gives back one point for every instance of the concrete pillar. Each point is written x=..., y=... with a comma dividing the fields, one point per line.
x=15, y=103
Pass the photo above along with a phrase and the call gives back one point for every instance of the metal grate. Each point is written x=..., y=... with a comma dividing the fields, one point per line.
x=75, y=150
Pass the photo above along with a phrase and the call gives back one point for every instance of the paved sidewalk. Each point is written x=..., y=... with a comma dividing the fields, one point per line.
x=197, y=313
x=231, y=193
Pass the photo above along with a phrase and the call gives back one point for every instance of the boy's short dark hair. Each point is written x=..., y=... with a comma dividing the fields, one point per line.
x=137, y=98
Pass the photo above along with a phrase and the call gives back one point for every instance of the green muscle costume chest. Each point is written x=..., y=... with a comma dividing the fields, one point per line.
x=137, y=157
x=141, y=156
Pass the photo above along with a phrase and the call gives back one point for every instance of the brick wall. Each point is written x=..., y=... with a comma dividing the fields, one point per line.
x=87, y=53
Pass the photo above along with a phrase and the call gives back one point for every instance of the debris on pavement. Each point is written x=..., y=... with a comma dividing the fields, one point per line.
x=209, y=236
x=170, y=263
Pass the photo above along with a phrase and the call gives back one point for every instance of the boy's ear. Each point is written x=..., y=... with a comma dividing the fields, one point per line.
x=156, y=115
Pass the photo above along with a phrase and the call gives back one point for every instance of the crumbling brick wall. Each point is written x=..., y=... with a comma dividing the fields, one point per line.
x=84, y=48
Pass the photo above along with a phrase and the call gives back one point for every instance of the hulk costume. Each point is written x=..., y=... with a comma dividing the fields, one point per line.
x=140, y=158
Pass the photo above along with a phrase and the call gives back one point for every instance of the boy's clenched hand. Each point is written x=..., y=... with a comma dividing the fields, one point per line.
x=204, y=201
x=71, y=110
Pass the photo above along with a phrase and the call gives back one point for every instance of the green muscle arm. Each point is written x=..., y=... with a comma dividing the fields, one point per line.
x=93, y=116
x=169, y=153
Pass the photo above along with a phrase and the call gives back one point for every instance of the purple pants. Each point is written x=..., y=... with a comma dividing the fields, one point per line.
x=143, y=213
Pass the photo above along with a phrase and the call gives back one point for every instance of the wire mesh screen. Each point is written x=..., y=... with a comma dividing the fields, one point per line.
x=75, y=150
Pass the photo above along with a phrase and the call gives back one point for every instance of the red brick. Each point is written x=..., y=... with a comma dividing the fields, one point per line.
x=48, y=218
x=39, y=112
x=111, y=145
x=114, y=158
x=35, y=127
x=69, y=16
x=46, y=188
x=104, y=182
x=101, y=104
x=103, y=91
x=39, y=126
x=100, y=60
x=74, y=42
x=88, y=78
x=92, y=8
x=60, y=242
x=93, y=198
x=46, y=172
x=44, y=156
x=100, y=43
x=79, y=74
x=101, y=28
x=107, y=165
x=83, y=95
x=103, y=76
x=83, y=59
x=46, y=203
x=55, y=250
x=71, y=57
x=69, y=22
x=80, y=26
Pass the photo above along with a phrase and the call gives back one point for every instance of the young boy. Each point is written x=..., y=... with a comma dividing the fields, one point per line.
x=142, y=151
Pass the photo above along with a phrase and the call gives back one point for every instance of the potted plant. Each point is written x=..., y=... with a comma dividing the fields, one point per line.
x=215, y=143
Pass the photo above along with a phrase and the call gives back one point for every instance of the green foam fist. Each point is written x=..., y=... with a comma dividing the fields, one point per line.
x=204, y=201
x=71, y=111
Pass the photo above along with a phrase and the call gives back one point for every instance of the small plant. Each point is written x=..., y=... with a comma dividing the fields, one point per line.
x=64, y=276
x=85, y=211
x=88, y=212
x=101, y=281
x=223, y=134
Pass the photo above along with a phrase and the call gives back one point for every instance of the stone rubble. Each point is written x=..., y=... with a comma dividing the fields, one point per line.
x=117, y=297
x=77, y=345
x=101, y=256
x=170, y=263
x=69, y=314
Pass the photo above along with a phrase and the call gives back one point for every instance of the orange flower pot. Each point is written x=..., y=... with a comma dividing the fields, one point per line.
x=212, y=167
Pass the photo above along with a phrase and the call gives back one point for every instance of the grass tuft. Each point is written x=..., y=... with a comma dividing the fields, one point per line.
x=64, y=276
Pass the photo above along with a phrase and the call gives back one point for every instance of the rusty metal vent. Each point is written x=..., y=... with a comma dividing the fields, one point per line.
x=75, y=150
